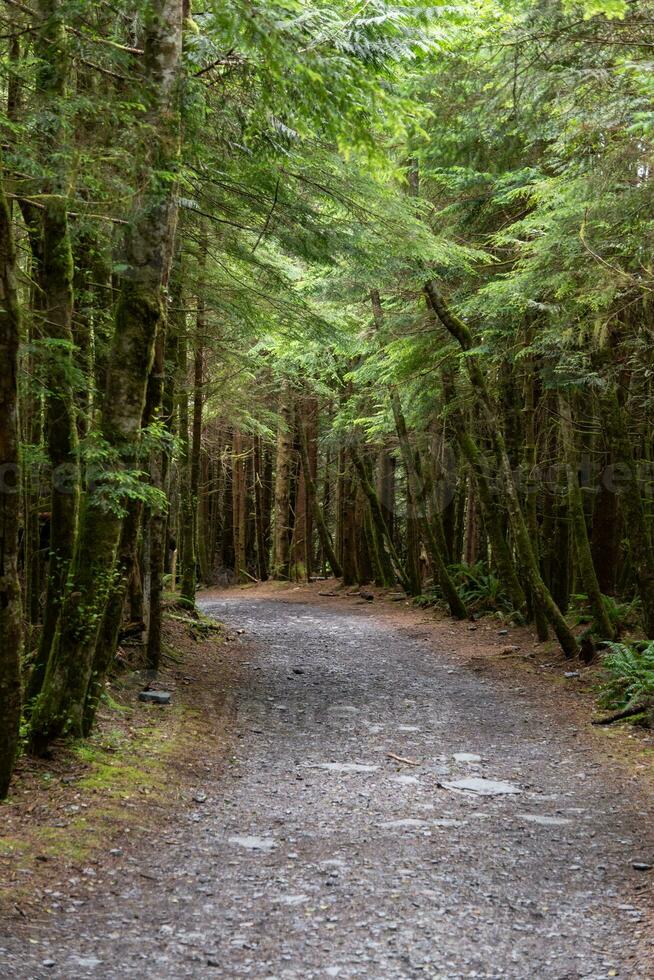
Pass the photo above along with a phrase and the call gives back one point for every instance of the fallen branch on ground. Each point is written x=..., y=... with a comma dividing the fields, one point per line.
x=401, y=758
x=636, y=709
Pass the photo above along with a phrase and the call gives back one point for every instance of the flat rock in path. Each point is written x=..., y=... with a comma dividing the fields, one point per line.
x=482, y=787
x=409, y=823
x=343, y=767
x=466, y=757
x=545, y=820
x=155, y=697
x=253, y=843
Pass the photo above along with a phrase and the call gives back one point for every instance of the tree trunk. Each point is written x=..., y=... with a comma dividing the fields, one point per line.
x=11, y=622
x=386, y=489
x=239, y=505
x=164, y=367
x=258, y=472
x=59, y=708
x=186, y=530
x=381, y=530
x=281, y=541
x=56, y=282
x=531, y=489
x=346, y=504
x=318, y=515
x=605, y=538
x=587, y=573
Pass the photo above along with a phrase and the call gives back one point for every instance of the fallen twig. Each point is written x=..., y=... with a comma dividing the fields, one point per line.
x=401, y=758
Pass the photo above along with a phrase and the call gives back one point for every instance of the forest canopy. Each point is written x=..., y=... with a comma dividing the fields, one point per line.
x=296, y=289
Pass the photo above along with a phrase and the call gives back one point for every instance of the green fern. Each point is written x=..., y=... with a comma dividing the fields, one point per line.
x=630, y=675
x=479, y=588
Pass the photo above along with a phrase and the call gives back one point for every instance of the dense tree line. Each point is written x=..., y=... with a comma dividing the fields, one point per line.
x=296, y=290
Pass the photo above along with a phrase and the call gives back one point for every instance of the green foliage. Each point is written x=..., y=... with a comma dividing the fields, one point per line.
x=114, y=480
x=479, y=588
x=630, y=675
x=622, y=615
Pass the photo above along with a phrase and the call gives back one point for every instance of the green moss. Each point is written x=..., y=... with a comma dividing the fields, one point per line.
x=10, y=846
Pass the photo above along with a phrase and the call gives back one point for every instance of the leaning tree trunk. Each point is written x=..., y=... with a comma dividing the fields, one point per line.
x=11, y=623
x=414, y=479
x=383, y=534
x=462, y=334
x=59, y=708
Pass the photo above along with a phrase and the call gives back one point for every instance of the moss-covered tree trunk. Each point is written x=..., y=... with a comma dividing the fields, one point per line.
x=386, y=488
x=346, y=526
x=60, y=706
x=186, y=529
x=56, y=282
x=585, y=566
x=531, y=488
x=11, y=623
x=164, y=367
x=198, y=403
x=261, y=516
x=240, y=456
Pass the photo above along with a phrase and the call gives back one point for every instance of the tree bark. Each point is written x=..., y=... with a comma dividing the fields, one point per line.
x=587, y=573
x=56, y=282
x=318, y=516
x=281, y=540
x=60, y=706
x=379, y=524
x=11, y=624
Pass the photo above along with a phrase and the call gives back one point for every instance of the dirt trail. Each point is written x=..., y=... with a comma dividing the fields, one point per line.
x=318, y=855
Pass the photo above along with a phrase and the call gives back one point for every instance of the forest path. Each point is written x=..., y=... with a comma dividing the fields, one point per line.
x=318, y=855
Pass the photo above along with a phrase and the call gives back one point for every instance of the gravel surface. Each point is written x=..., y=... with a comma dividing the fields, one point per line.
x=506, y=850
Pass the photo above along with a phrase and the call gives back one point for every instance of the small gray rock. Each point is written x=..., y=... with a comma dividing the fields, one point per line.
x=155, y=697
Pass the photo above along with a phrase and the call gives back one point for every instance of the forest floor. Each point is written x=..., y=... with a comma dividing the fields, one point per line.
x=296, y=813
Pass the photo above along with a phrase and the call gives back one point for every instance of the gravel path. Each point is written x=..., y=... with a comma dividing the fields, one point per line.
x=318, y=855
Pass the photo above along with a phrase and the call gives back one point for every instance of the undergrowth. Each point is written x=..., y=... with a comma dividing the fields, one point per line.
x=630, y=675
x=623, y=615
x=480, y=589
